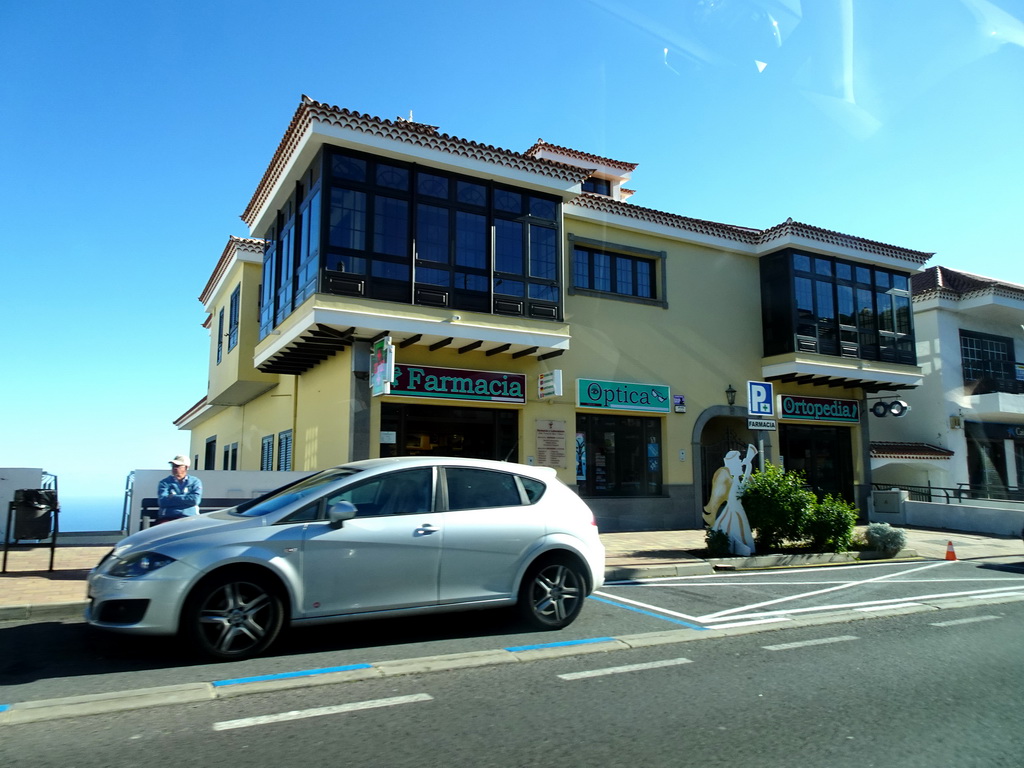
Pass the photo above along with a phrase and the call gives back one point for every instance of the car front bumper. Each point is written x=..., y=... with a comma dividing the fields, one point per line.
x=147, y=605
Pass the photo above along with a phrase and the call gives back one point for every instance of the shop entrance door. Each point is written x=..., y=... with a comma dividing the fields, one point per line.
x=823, y=454
x=438, y=430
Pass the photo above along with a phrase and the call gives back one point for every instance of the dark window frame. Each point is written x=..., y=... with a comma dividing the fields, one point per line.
x=993, y=367
x=285, y=457
x=372, y=267
x=803, y=298
x=589, y=248
x=210, y=453
x=267, y=453
x=597, y=186
x=230, y=461
x=234, y=316
x=220, y=335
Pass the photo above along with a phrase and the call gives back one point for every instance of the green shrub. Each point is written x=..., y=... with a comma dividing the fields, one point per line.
x=829, y=526
x=717, y=543
x=882, y=537
x=777, y=504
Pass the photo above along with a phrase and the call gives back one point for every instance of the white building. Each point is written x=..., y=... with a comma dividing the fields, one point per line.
x=966, y=427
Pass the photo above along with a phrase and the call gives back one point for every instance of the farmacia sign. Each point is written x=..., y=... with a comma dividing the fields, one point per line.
x=459, y=384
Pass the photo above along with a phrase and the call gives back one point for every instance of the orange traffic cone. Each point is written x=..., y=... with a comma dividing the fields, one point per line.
x=950, y=552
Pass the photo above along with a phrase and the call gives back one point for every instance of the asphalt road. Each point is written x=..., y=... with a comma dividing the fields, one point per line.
x=59, y=659
x=922, y=689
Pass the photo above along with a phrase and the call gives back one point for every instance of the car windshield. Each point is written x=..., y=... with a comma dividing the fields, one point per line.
x=309, y=486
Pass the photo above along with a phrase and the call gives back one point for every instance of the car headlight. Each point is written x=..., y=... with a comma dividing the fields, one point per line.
x=139, y=564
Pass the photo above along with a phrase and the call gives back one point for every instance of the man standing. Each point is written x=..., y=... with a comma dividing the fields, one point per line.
x=178, y=494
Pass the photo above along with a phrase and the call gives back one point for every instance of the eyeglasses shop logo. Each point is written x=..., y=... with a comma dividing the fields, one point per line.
x=820, y=409
x=623, y=396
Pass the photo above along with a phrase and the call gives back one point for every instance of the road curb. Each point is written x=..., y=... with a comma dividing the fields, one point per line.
x=42, y=611
x=77, y=706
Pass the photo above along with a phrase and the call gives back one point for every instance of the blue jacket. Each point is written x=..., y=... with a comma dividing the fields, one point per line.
x=177, y=498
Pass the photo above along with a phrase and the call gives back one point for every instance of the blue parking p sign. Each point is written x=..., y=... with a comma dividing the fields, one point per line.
x=760, y=399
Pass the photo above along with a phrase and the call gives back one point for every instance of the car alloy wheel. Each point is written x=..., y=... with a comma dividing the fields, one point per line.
x=234, y=616
x=552, y=593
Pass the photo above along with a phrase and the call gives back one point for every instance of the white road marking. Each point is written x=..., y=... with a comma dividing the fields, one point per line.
x=657, y=580
x=648, y=606
x=625, y=668
x=1004, y=594
x=806, y=643
x=954, y=622
x=845, y=585
x=893, y=603
x=744, y=613
x=248, y=722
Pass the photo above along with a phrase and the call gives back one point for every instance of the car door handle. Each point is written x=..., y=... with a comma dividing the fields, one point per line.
x=426, y=529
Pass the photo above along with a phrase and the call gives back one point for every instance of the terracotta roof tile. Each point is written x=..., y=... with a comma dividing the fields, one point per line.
x=892, y=450
x=234, y=243
x=584, y=156
x=310, y=112
x=790, y=228
x=747, y=235
x=607, y=205
x=950, y=283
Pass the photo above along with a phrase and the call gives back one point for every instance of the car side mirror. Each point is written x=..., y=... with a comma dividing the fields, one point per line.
x=339, y=512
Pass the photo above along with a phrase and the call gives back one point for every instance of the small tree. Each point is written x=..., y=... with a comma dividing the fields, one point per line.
x=829, y=526
x=777, y=504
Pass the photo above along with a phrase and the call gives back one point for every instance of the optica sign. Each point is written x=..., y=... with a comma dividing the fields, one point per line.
x=459, y=384
x=800, y=408
x=623, y=396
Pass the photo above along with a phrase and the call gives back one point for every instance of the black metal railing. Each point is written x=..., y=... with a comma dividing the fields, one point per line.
x=958, y=495
x=985, y=377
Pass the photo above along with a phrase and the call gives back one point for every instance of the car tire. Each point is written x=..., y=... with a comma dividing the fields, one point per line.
x=233, y=616
x=552, y=593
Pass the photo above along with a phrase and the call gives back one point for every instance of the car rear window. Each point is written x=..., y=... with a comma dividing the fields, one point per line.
x=478, y=488
x=534, y=488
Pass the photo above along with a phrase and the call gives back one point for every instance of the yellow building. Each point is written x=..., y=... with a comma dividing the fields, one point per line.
x=408, y=292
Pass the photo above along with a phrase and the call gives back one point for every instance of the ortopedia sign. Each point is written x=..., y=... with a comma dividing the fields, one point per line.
x=800, y=408
x=623, y=396
x=459, y=384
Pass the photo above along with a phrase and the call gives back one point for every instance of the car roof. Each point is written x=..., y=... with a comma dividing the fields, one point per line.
x=397, y=462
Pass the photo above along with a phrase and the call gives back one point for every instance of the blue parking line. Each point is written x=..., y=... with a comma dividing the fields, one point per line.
x=561, y=644
x=648, y=613
x=288, y=675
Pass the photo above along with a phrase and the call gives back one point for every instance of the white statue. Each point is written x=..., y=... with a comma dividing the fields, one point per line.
x=727, y=485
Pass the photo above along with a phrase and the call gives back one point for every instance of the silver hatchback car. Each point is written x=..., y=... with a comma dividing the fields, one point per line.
x=375, y=538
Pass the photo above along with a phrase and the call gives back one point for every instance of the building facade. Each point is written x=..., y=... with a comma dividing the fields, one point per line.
x=967, y=428
x=404, y=292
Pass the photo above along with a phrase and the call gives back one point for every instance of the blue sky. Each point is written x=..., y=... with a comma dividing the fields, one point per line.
x=133, y=135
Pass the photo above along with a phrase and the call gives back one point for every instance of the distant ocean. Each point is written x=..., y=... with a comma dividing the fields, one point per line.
x=90, y=514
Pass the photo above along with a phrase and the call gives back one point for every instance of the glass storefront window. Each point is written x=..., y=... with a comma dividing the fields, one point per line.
x=618, y=455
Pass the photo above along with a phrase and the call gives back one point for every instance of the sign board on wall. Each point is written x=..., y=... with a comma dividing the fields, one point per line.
x=459, y=384
x=623, y=396
x=819, y=409
x=551, y=443
x=382, y=366
x=549, y=385
x=760, y=403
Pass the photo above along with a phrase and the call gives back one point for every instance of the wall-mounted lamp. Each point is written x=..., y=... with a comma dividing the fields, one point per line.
x=730, y=395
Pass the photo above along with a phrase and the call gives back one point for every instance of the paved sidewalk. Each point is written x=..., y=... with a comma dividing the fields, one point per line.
x=29, y=590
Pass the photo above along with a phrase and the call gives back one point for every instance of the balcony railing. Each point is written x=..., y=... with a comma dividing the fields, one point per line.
x=990, y=376
x=962, y=493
